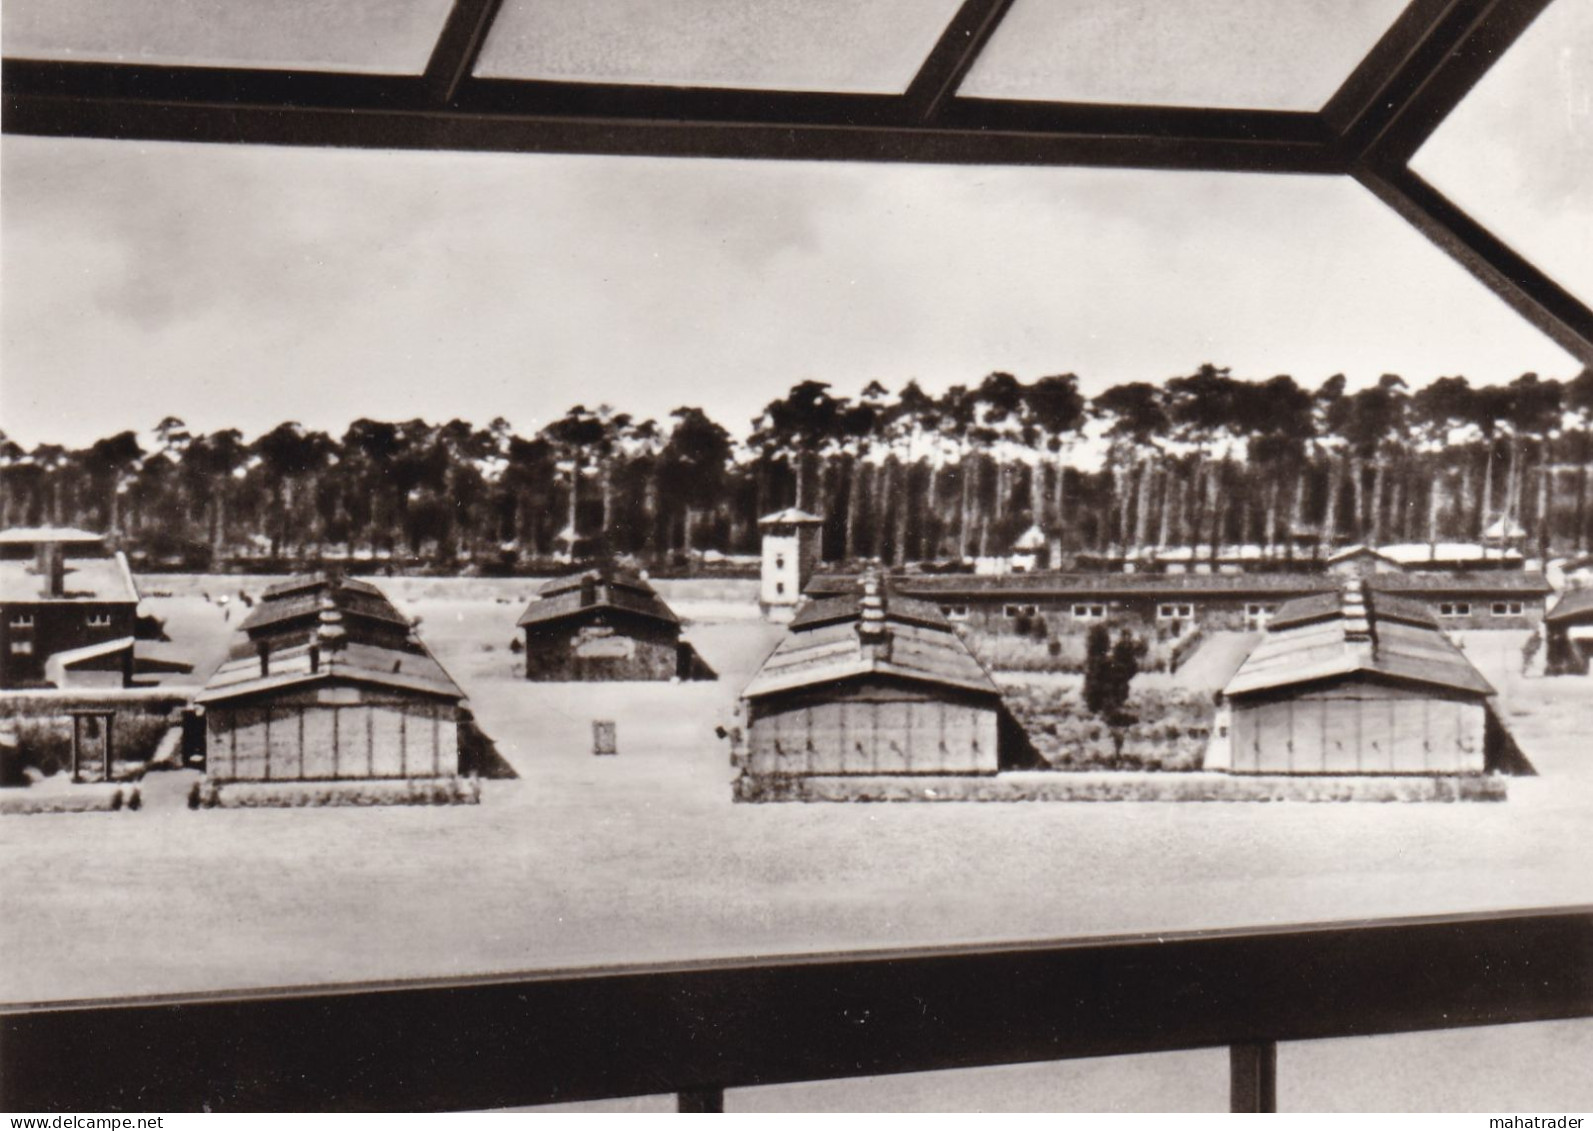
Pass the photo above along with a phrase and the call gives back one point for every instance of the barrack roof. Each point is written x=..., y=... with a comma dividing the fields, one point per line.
x=909, y=641
x=28, y=535
x=1415, y=553
x=1323, y=606
x=412, y=669
x=303, y=598
x=345, y=654
x=1487, y=582
x=791, y=516
x=1358, y=640
x=1063, y=585
x=1358, y=549
x=578, y=594
x=1041, y=583
x=1573, y=604
x=105, y=580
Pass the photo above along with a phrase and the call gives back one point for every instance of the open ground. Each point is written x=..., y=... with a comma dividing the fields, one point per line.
x=587, y=861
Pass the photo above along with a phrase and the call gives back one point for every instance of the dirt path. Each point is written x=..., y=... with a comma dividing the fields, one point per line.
x=1217, y=658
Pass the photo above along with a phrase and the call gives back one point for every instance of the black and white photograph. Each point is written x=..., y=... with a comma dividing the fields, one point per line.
x=754, y=556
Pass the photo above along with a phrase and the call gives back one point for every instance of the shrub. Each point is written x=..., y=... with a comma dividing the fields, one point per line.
x=1172, y=733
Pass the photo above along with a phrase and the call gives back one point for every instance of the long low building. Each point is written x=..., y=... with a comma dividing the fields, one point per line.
x=327, y=681
x=1358, y=682
x=1166, y=604
x=866, y=683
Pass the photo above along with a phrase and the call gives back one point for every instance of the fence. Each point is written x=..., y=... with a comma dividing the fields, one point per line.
x=697, y=1029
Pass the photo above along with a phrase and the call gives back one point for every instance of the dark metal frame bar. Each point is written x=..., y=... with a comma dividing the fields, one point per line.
x=1399, y=94
x=698, y=1029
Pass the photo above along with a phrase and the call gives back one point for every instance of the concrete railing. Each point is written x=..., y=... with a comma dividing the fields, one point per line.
x=697, y=1029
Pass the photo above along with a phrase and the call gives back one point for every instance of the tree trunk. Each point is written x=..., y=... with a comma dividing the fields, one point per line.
x=1059, y=513
x=1485, y=504
x=606, y=470
x=902, y=500
x=1434, y=501
x=1581, y=509
x=854, y=499
x=964, y=541
x=1545, y=470
x=1330, y=517
x=1147, y=489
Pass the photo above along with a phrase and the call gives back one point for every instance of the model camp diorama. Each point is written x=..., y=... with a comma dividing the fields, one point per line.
x=1352, y=669
x=926, y=601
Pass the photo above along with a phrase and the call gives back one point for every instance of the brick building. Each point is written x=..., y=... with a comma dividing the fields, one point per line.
x=1165, y=605
x=68, y=609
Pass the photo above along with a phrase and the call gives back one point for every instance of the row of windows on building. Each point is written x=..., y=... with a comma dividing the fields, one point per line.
x=1170, y=611
x=1179, y=611
x=1463, y=609
x=24, y=647
x=93, y=620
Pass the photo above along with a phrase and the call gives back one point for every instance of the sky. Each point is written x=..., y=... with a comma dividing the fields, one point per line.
x=244, y=286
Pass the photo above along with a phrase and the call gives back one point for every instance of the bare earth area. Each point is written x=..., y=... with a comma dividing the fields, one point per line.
x=643, y=857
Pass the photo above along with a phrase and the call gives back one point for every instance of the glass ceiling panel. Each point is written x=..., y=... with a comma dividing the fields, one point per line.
x=860, y=46
x=1253, y=54
x=1517, y=154
x=373, y=36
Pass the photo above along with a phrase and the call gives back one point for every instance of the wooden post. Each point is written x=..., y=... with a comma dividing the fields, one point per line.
x=110, y=727
x=605, y=739
x=1253, y=1077
x=699, y=1100
x=77, y=746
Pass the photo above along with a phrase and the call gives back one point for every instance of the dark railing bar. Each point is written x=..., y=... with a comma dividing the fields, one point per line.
x=704, y=1027
x=954, y=55
x=1528, y=290
x=701, y=1100
x=1253, y=1077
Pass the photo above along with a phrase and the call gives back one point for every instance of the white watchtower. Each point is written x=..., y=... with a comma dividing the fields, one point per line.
x=791, y=549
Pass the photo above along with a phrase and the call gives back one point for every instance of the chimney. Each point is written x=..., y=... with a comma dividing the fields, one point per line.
x=263, y=647
x=51, y=565
x=1352, y=605
x=330, y=635
x=871, y=628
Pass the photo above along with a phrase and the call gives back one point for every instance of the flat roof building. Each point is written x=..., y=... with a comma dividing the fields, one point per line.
x=68, y=609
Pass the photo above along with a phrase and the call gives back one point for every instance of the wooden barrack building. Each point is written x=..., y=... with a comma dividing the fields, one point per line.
x=605, y=624
x=328, y=681
x=1356, y=682
x=871, y=683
